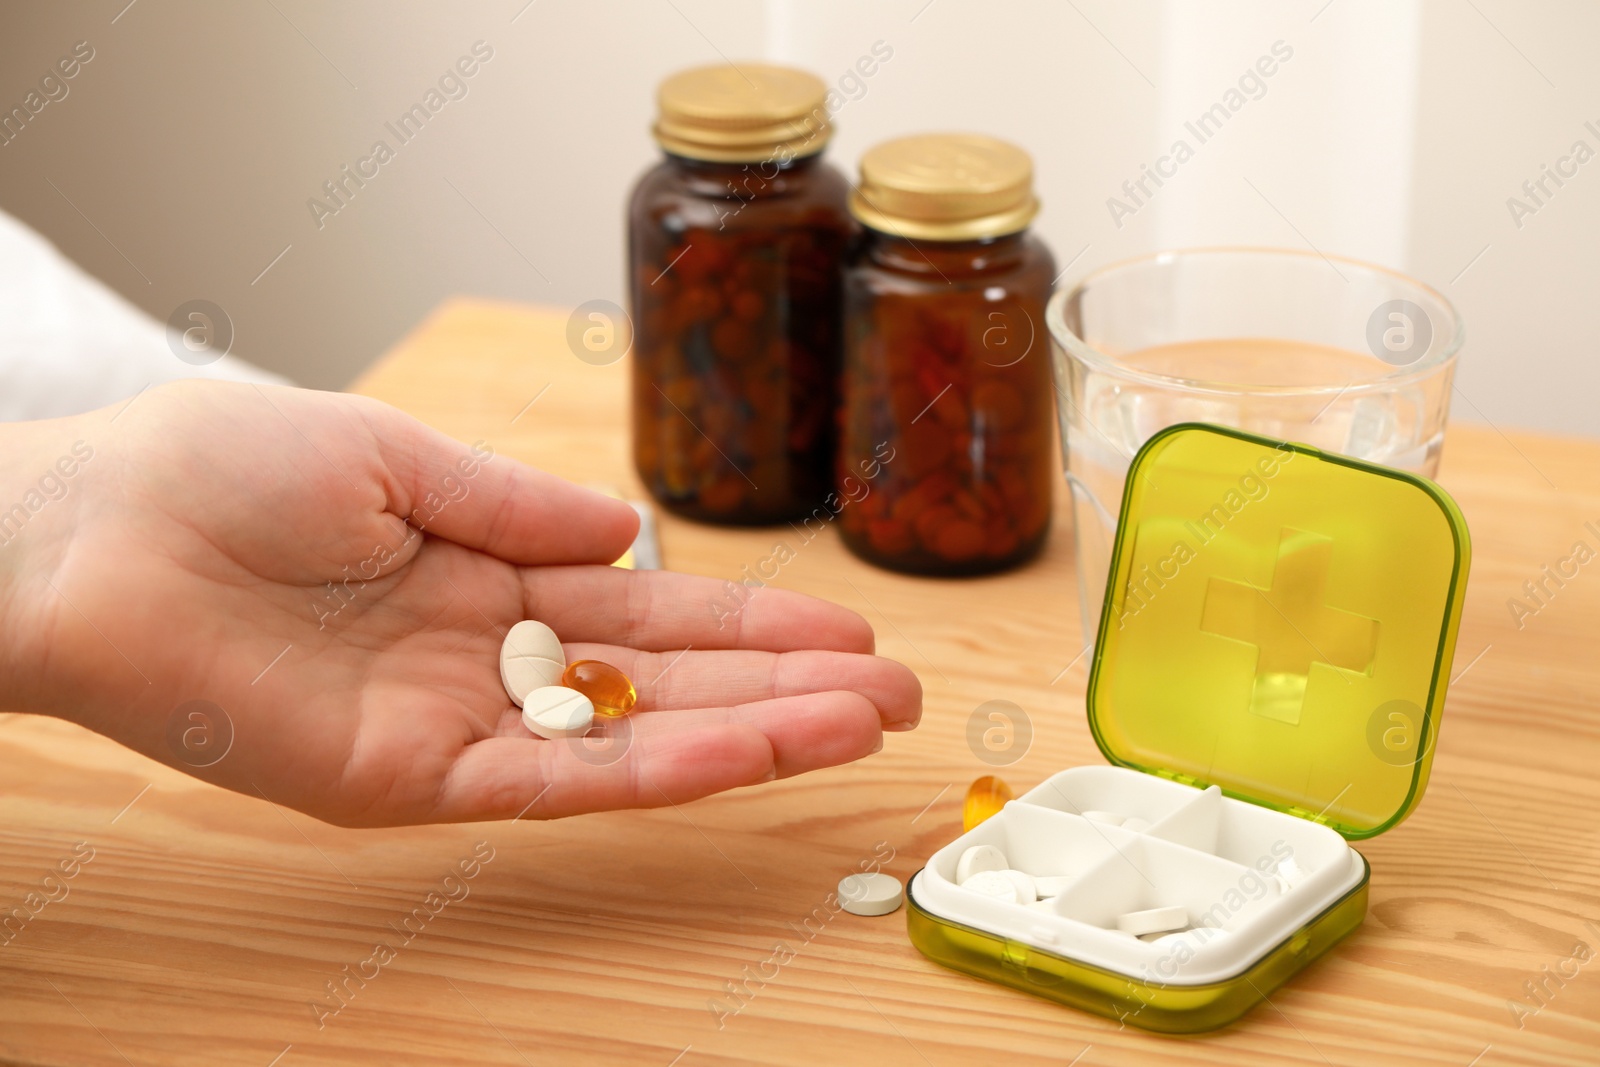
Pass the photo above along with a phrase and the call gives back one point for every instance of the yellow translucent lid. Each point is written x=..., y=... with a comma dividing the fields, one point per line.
x=1279, y=622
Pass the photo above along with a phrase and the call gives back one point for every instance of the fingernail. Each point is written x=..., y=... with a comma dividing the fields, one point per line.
x=900, y=727
x=879, y=746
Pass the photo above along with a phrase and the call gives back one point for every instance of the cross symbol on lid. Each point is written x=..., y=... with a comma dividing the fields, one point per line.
x=1290, y=624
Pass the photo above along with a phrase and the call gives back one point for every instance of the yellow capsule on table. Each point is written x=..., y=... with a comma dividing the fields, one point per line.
x=985, y=797
x=607, y=688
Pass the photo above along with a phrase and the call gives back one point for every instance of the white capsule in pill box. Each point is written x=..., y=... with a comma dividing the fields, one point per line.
x=977, y=859
x=530, y=658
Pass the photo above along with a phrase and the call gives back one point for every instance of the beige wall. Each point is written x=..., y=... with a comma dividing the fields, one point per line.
x=197, y=134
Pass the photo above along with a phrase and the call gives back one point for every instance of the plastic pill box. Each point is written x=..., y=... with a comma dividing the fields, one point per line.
x=1279, y=624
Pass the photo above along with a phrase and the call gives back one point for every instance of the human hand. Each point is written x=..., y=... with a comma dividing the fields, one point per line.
x=190, y=559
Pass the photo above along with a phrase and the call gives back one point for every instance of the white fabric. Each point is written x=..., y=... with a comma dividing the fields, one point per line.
x=70, y=344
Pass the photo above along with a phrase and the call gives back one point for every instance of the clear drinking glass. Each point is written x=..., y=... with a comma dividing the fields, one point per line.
x=1330, y=352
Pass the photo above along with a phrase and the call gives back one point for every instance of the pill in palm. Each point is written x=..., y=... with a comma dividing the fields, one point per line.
x=530, y=658
x=1153, y=920
x=985, y=797
x=977, y=859
x=607, y=688
x=870, y=893
x=553, y=711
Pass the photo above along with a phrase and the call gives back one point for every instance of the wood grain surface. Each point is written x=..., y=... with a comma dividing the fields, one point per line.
x=206, y=925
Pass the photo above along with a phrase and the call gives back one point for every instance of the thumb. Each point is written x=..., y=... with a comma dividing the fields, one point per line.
x=493, y=503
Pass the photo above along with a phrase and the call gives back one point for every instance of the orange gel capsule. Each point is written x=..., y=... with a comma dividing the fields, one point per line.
x=985, y=797
x=607, y=688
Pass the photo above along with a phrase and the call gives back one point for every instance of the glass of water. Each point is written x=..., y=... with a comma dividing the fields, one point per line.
x=1325, y=351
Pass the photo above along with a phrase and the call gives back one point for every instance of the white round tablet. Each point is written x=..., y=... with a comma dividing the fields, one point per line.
x=554, y=711
x=530, y=658
x=994, y=884
x=1023, y=882
x=979, y=858
x=1154, y=920
x=870, y=894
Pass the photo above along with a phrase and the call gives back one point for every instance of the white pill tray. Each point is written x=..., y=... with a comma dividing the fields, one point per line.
x=1227, y=730
x=1212, y=855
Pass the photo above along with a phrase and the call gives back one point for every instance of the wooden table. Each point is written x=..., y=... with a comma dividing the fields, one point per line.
x=207, y=922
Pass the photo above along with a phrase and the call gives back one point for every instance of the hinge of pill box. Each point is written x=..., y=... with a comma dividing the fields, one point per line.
x=1184, y=779
x=1307, y=814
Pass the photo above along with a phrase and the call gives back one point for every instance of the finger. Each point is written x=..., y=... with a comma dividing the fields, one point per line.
x=669, y=759
x=530, y=778
x=661, y=610
x=491, y=502
x=806, y=733
x=693, y=679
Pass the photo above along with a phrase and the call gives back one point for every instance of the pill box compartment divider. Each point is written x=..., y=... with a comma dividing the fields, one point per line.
x=1300, y=769
x=1155, y=1005
x=1115, y=870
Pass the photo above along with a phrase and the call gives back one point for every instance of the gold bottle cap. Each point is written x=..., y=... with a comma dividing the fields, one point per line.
x=945, y=187
x=742, y=114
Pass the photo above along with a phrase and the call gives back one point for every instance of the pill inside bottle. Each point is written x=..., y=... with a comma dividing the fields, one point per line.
x=607, y=688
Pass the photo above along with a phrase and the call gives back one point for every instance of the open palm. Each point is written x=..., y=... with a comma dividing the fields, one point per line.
x=302, y=595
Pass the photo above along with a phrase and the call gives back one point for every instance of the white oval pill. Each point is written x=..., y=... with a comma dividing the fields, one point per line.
x=530, y=658
x=870, y=894
x=979, y=858
x=1153, y=920
x=554, y=711
x=993, y=884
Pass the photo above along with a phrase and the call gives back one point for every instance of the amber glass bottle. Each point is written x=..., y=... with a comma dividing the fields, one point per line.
x=946, y=367
x=735, y=245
